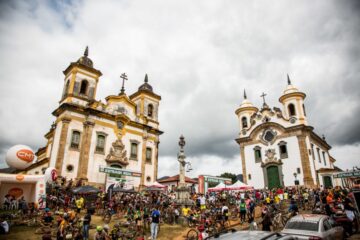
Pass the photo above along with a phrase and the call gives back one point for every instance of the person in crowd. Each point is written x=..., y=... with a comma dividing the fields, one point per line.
x=155, y=217
x=242, y=209
x=4, y=227
x=86, y=225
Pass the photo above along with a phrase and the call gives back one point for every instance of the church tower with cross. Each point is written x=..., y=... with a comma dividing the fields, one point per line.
x=107, y=142
x=278, y=147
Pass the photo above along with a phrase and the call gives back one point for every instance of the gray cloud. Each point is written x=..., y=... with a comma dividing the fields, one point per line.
x=199, y=59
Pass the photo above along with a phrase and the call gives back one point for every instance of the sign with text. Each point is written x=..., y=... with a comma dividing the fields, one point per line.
x=119, y=171
x=347, y=174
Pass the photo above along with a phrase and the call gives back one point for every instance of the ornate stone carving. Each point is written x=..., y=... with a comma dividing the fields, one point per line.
x=270, y=158
x=117, y=154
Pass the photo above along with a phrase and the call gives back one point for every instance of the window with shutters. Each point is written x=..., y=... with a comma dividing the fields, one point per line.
x=148, y=155
x=318, y=154
x=100, y=143
x=283, y=150
x=134, y=150
x=257, y=152
x=75, y=140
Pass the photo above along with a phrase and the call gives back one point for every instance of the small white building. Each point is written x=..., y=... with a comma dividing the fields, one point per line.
x=278, y=146
x=121, y=132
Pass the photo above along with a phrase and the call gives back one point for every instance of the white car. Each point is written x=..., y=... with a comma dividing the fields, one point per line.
x=314, y=227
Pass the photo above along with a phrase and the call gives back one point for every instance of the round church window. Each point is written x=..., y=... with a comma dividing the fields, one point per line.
x=148, y=179
x=69, y=168
x=269, y=136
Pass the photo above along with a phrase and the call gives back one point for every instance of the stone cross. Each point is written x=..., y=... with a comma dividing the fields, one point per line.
x=124, y=77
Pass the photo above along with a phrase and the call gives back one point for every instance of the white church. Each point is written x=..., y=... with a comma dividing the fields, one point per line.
x=90, y=137
x=279, y=147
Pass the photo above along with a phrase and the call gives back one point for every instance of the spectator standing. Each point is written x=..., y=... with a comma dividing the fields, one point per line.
x=155, y=216
x=86, y=225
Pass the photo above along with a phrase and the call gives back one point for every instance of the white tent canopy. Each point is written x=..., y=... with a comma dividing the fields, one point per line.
x=156, y=185
x=239, y=186
x=220, y=187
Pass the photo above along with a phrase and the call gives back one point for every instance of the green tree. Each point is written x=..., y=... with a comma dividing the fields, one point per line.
x=229, y=175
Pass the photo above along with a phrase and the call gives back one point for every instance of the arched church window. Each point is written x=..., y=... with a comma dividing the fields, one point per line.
x=84, y=87
x=150, y=110
x=283, y=150
x=148, y=154
x=291, y=109
x=257, y=152
x=244, y=122
x=66, y=89
x=75, y=139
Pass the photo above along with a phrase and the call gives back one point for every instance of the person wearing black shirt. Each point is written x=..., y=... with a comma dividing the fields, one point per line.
x=86, y=225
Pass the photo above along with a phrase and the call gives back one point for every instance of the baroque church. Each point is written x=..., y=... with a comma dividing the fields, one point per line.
x=278, y=147
x=88, y=134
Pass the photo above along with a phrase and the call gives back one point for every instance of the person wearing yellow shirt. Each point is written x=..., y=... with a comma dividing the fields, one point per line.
x=185, y=211
x=79, y=204
x=267, y=199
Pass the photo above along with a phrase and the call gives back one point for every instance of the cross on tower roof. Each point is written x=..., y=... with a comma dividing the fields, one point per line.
x=263, y=96
x=124, y=77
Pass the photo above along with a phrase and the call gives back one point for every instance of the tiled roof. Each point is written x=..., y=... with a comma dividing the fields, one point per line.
x=176, y=179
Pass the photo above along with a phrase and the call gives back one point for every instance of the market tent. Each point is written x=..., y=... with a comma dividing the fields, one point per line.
x=239, y=186
x=218, y=188
x=155, y=185
x=85, y=190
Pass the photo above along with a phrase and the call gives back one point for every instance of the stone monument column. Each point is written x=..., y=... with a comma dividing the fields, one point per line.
x=183, y=192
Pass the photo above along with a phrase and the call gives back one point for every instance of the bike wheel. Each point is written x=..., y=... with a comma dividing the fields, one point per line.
x=192, y=235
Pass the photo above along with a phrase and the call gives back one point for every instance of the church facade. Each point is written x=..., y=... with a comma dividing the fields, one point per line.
x=279, y=147
x=88, y=134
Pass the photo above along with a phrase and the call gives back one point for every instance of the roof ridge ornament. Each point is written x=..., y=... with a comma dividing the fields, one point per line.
x=146, y=78
x=288, y=79
x=245, y=97
x=86, y=52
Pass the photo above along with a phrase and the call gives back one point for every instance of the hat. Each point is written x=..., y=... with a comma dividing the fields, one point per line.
x=99, y=228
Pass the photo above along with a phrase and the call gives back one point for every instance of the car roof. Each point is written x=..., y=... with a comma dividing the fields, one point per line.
x=245, y=235
x=308, y=217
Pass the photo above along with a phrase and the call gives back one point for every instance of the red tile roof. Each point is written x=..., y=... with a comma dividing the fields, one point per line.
x=176, y=179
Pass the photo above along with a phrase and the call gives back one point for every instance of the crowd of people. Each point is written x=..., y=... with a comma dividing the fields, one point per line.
x=71, y=215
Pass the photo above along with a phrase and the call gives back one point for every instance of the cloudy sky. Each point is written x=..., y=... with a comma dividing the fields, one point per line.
x=199, y=56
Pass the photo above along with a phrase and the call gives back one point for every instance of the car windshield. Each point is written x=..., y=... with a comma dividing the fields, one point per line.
x=308, y=226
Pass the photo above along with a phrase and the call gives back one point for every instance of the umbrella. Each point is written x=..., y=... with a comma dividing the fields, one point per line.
x=153, y=189
x=117, y=189
x=85, y=190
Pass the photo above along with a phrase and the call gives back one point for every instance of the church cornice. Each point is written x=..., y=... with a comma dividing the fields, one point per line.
x=294, y=94
x=319, y=141
x=91, y=111
x=81, y=66
x=140, y=92
x=296, y=130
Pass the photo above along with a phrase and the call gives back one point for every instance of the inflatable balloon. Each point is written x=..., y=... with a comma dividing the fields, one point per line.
x=50, y=175
x=20, y=157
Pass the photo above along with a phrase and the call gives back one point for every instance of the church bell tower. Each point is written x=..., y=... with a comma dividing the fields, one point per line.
x=293, y=104
x=80, y=82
